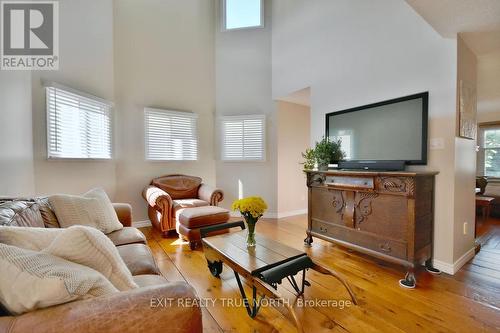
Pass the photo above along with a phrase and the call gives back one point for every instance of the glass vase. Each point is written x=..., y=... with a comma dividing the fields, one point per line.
x=251, y=231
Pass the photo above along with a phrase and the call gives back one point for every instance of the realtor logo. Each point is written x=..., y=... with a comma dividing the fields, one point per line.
x=29, y=35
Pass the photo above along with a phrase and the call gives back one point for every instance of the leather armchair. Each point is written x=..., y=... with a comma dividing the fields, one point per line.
x=168, y=195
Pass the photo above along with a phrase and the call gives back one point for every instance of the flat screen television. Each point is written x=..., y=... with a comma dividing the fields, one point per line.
x=388, y=131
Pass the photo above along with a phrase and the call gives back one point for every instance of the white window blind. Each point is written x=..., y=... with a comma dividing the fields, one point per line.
x=243, y=138
x=171, y=135
x=78, y=125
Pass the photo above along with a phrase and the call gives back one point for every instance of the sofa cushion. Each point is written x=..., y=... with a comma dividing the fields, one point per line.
x=138, y=258
x=90, y=247
x=22, y=213
x=203, y=216
x=127, y=235
x=180, y=204
x=31, y=280
x=93, y=209
x=48, y=216
x=80, y=244
x=29, y=238
x=148, y=280
x=179, y=186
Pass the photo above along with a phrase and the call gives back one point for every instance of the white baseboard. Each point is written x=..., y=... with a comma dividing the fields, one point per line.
x=455, y=267
x=292, y=213
x=270, y=215
x=141, y=224
x=443, y=266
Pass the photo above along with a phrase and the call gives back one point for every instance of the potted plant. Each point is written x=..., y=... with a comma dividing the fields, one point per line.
x=309, y=159
x=327, y=151
x=252, y=209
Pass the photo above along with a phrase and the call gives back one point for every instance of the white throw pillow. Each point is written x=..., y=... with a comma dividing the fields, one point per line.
x=32, y=280
x=29, y=238
x=90, y=247
x=93, y=209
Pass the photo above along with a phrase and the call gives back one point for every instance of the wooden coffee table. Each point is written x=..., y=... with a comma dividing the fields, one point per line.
x=263, y=266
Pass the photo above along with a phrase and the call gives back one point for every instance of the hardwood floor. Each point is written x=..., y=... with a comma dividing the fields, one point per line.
x=466, y=302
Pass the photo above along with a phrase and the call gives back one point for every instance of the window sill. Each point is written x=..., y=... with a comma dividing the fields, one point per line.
x=169, y=161
x=255, y=27
x=79, y=159
x=243, y=161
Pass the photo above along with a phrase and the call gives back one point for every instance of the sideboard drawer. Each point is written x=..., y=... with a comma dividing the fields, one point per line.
x=349, y=182
x=373, y=242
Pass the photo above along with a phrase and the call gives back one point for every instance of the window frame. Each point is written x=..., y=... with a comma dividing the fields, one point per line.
x=50, y=84
x=242, y=118
x=187, y=114
x=481, y=159
x=223, y=19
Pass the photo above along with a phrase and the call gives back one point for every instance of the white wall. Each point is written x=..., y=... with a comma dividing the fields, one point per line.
x=243, y=86
x=488, y=87
x=293, y=138
x=164, y=58
x=465, y=161
x=163, y=53
x=353, y=53
x=16, y=140
x=86, y=63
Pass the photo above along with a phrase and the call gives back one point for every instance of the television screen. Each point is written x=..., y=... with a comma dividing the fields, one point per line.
x=394, y=130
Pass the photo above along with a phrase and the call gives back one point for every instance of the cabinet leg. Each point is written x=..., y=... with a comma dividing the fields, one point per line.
x=193, y=245
x=430, y=269
x=308, y=241
x=409, y=281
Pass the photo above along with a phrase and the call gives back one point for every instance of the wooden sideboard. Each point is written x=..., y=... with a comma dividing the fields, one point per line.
x=388, y=215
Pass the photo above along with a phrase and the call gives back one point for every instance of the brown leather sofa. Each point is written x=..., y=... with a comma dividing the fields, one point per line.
x=137, y=310
x=168, y=195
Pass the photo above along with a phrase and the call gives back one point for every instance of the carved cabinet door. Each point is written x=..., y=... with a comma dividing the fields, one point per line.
x=328, y=205
x=382, y=214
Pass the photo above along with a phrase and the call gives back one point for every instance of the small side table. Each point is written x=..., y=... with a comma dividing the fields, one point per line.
x=485, y=204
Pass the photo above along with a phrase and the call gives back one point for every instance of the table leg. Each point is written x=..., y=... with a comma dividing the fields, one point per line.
x=323, y=270
x=254, y=308
x=262, y=287
x=475, y=224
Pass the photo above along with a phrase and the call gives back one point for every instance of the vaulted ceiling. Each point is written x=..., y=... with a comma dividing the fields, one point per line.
x=477, y=21
x=449, y=17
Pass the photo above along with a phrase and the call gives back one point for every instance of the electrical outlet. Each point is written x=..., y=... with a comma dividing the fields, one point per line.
x=465, y=228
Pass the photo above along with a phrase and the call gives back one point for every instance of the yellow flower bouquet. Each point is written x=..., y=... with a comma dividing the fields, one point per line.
x=252, y=209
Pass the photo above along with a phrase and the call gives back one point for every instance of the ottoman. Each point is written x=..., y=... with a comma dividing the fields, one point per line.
x=190, y=220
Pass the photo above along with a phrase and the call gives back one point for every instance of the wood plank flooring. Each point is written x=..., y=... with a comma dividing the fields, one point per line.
x=466, y=302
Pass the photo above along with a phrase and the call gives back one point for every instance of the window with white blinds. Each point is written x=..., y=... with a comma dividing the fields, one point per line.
x=171, y=135
x=243, y=138
x=78, y=125
x=488, y=158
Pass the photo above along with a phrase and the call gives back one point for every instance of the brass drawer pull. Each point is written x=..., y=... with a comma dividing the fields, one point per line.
x=322, y=229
